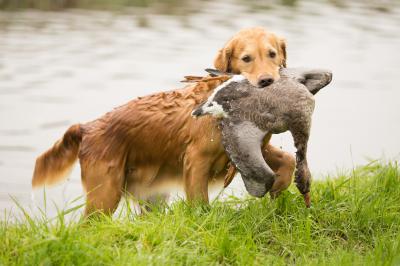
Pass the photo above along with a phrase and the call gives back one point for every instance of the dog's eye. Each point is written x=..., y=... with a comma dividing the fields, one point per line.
x=272, y=54
x=246, y=58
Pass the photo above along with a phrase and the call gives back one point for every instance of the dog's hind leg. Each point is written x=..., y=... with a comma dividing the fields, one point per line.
x=104, y=185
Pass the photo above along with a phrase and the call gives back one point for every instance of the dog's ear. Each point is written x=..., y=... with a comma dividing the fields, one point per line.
x=222, y=61
x=282, y=52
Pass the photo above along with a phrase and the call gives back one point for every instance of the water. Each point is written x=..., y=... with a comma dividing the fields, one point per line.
x=60, y=68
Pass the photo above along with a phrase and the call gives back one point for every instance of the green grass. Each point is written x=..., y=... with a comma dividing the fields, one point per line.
x=354, y=220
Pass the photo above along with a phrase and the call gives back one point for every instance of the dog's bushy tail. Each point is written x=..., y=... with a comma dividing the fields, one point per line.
x=56, y=163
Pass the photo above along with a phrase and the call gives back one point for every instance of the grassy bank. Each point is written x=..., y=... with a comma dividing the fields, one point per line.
x=354, y=220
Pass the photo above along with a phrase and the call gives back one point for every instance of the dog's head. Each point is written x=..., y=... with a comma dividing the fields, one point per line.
x=256, y=54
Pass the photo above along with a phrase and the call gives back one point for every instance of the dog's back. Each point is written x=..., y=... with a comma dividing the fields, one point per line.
x=150, y=141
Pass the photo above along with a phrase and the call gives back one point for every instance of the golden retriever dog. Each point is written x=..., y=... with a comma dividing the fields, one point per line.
x=152, y=142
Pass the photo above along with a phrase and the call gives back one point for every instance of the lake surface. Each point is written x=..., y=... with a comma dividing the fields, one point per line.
x=60, y=68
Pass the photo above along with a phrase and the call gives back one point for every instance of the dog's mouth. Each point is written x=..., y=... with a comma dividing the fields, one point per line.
x=264, y=82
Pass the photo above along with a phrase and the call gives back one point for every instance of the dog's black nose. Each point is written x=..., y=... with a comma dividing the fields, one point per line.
x=266, y=81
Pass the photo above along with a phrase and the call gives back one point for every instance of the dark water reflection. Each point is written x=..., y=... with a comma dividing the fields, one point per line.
x=59, y=68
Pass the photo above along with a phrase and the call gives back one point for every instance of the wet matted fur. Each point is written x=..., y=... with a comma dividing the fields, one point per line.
x=153, y=142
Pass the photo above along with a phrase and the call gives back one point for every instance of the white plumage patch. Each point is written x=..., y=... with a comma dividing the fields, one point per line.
x=212, y=107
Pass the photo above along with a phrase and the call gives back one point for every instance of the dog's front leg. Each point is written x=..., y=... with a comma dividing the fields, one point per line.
x=283, y=164
x=196, y=173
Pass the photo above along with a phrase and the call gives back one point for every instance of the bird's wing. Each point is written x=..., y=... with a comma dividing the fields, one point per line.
x=242, y=142
x=317, y=79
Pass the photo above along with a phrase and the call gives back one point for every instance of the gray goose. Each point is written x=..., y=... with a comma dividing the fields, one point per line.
x=248, y=113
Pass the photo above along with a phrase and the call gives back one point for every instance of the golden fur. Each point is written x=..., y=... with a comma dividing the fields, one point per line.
x=257, y=44
x=152, y=142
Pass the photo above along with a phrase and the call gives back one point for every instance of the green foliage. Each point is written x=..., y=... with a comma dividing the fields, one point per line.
x=85, y=4
x=354, y=220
